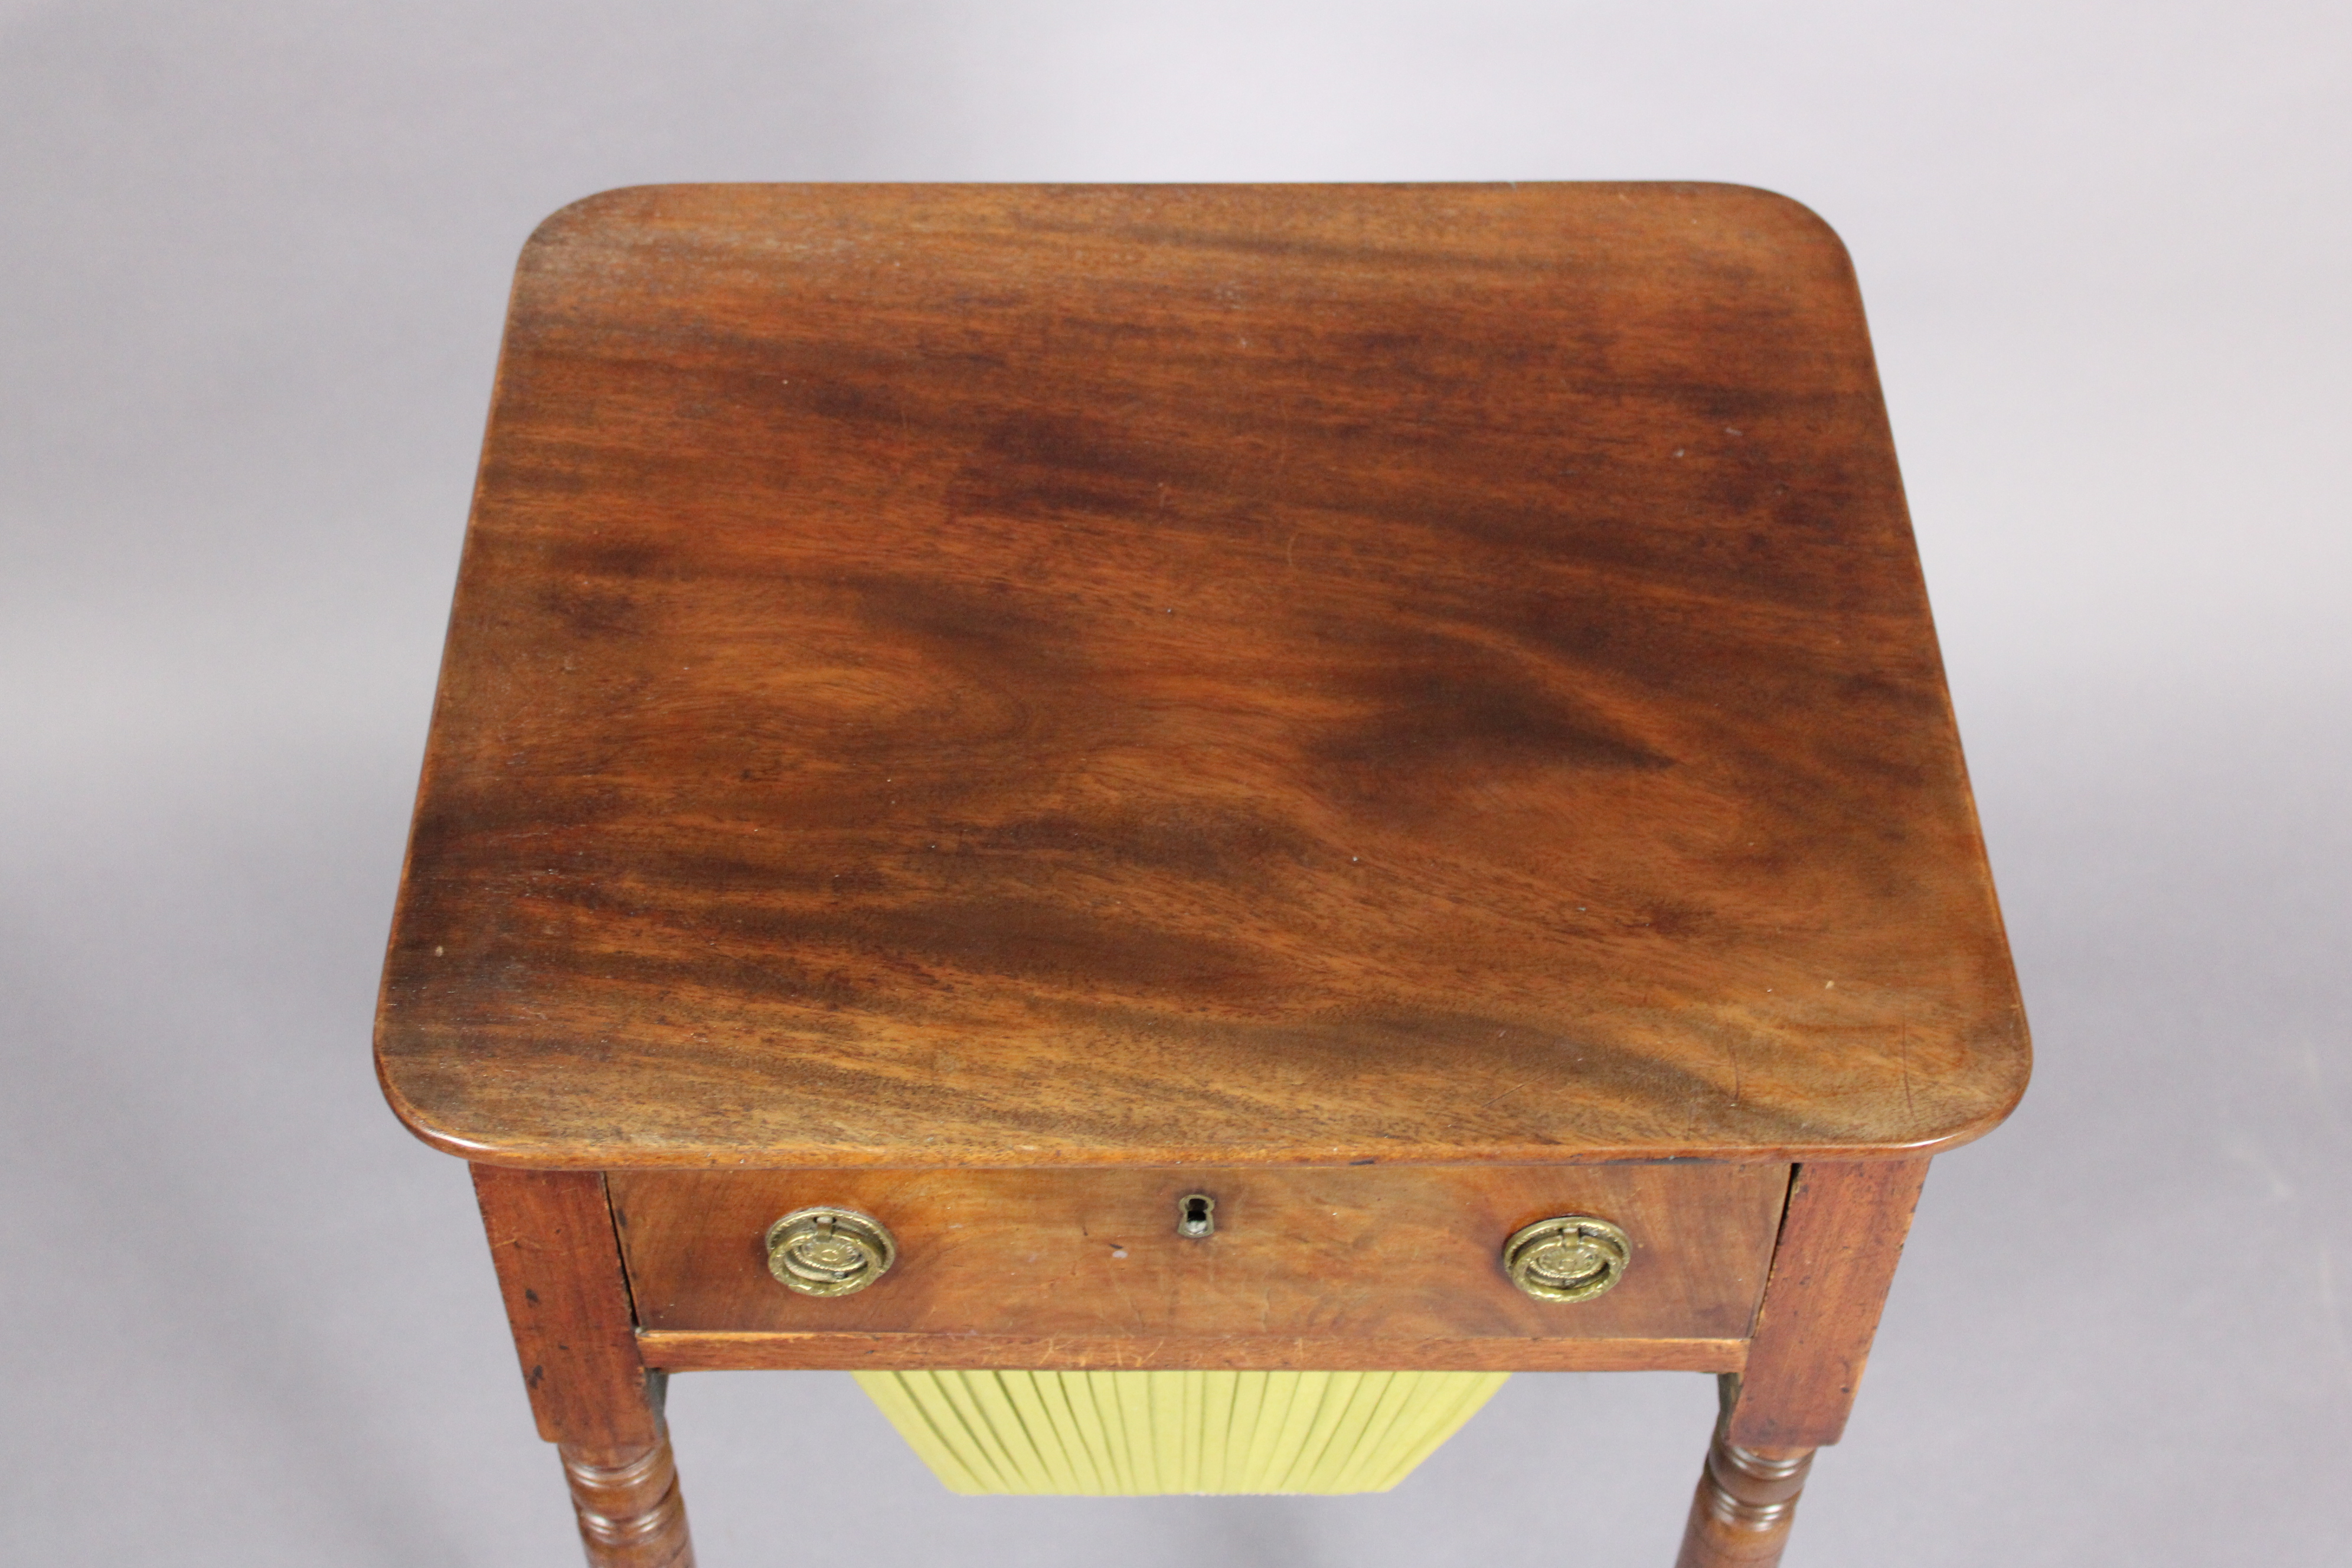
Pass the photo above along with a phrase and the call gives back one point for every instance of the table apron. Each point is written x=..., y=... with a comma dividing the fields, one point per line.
x=1306, y=1267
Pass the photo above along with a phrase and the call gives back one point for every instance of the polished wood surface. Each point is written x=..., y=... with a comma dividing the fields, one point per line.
x=689, y=1349
x=567, y=1298
x=1746, y=1500
x=1395, y=1254
x=627, y=1505
x=1838, y=1244
x=1192, y=675
x=1409, y=709
x=558, y=1267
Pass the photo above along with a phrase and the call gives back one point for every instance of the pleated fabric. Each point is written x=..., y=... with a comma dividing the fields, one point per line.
x=1137, y=1434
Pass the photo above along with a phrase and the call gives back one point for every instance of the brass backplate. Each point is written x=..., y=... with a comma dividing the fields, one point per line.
x=826, y=1251
x=1569, y=1258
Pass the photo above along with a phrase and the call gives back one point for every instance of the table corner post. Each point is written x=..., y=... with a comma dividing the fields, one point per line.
x=1841, y=1237
x=557, y=1251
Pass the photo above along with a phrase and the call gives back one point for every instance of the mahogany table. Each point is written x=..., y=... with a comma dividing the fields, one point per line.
x=988, y=710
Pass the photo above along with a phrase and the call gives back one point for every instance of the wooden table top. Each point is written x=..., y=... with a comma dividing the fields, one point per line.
x=1028, y=676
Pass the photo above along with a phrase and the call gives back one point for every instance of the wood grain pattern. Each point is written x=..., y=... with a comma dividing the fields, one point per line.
x=1746, y=1502
x=567, y=1300
x=687, y=1350
x=559, y=1268
x=1840, y=1242
x=628, y=1506
x=1400, y=1256
x=1192, y=675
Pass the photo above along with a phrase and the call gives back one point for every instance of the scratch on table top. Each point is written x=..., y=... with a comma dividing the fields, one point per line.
x=1512, y=1090
x=1141, y=1327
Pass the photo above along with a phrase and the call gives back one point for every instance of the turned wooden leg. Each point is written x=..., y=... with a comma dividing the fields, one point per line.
x=1739, y=1518
x=1840, y=1239
x=567, y=1300
x=629, y=1511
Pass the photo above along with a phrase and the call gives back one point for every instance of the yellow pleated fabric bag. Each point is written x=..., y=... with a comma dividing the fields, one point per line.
x=1137, y=1434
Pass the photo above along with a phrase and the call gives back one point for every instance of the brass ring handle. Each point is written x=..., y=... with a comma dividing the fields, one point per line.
x=829, y=1251
x=1571, y=1258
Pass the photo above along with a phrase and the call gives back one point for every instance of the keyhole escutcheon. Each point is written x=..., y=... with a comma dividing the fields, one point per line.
x=1196, y=1216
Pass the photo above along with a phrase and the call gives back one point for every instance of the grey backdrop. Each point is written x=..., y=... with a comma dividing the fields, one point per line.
x=253, y=260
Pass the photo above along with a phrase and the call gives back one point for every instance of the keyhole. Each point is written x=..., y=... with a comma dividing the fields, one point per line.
x=1197, y=1216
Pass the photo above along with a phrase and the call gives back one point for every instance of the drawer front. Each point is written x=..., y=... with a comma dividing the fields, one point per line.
x=1319, y=1253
